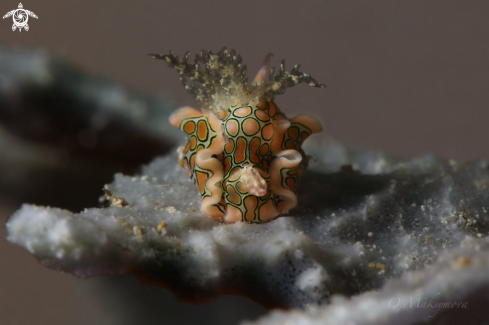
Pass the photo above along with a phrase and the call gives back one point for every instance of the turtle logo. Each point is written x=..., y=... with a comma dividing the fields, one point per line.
x=20, y=16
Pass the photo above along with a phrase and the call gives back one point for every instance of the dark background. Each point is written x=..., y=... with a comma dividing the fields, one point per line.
x=406, y=77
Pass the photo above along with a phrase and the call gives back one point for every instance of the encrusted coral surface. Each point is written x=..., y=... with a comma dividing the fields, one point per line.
x=354, y=229
x=451, y=291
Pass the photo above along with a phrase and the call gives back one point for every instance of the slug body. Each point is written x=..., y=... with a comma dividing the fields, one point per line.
x=244, y=158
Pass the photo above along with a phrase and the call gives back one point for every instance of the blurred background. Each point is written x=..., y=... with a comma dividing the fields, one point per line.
x=80, y=100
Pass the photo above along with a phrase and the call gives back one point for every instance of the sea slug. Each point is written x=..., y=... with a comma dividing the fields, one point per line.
x=243, y=154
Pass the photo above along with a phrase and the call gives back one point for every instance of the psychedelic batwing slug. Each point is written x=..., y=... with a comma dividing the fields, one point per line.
x=242, y=153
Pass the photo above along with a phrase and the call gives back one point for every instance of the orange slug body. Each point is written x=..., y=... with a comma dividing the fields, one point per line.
x=245, y=160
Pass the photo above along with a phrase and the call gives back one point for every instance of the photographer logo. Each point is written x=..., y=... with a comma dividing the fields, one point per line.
x=20, y=16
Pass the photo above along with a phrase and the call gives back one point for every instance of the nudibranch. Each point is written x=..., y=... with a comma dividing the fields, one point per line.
x=243, y=154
